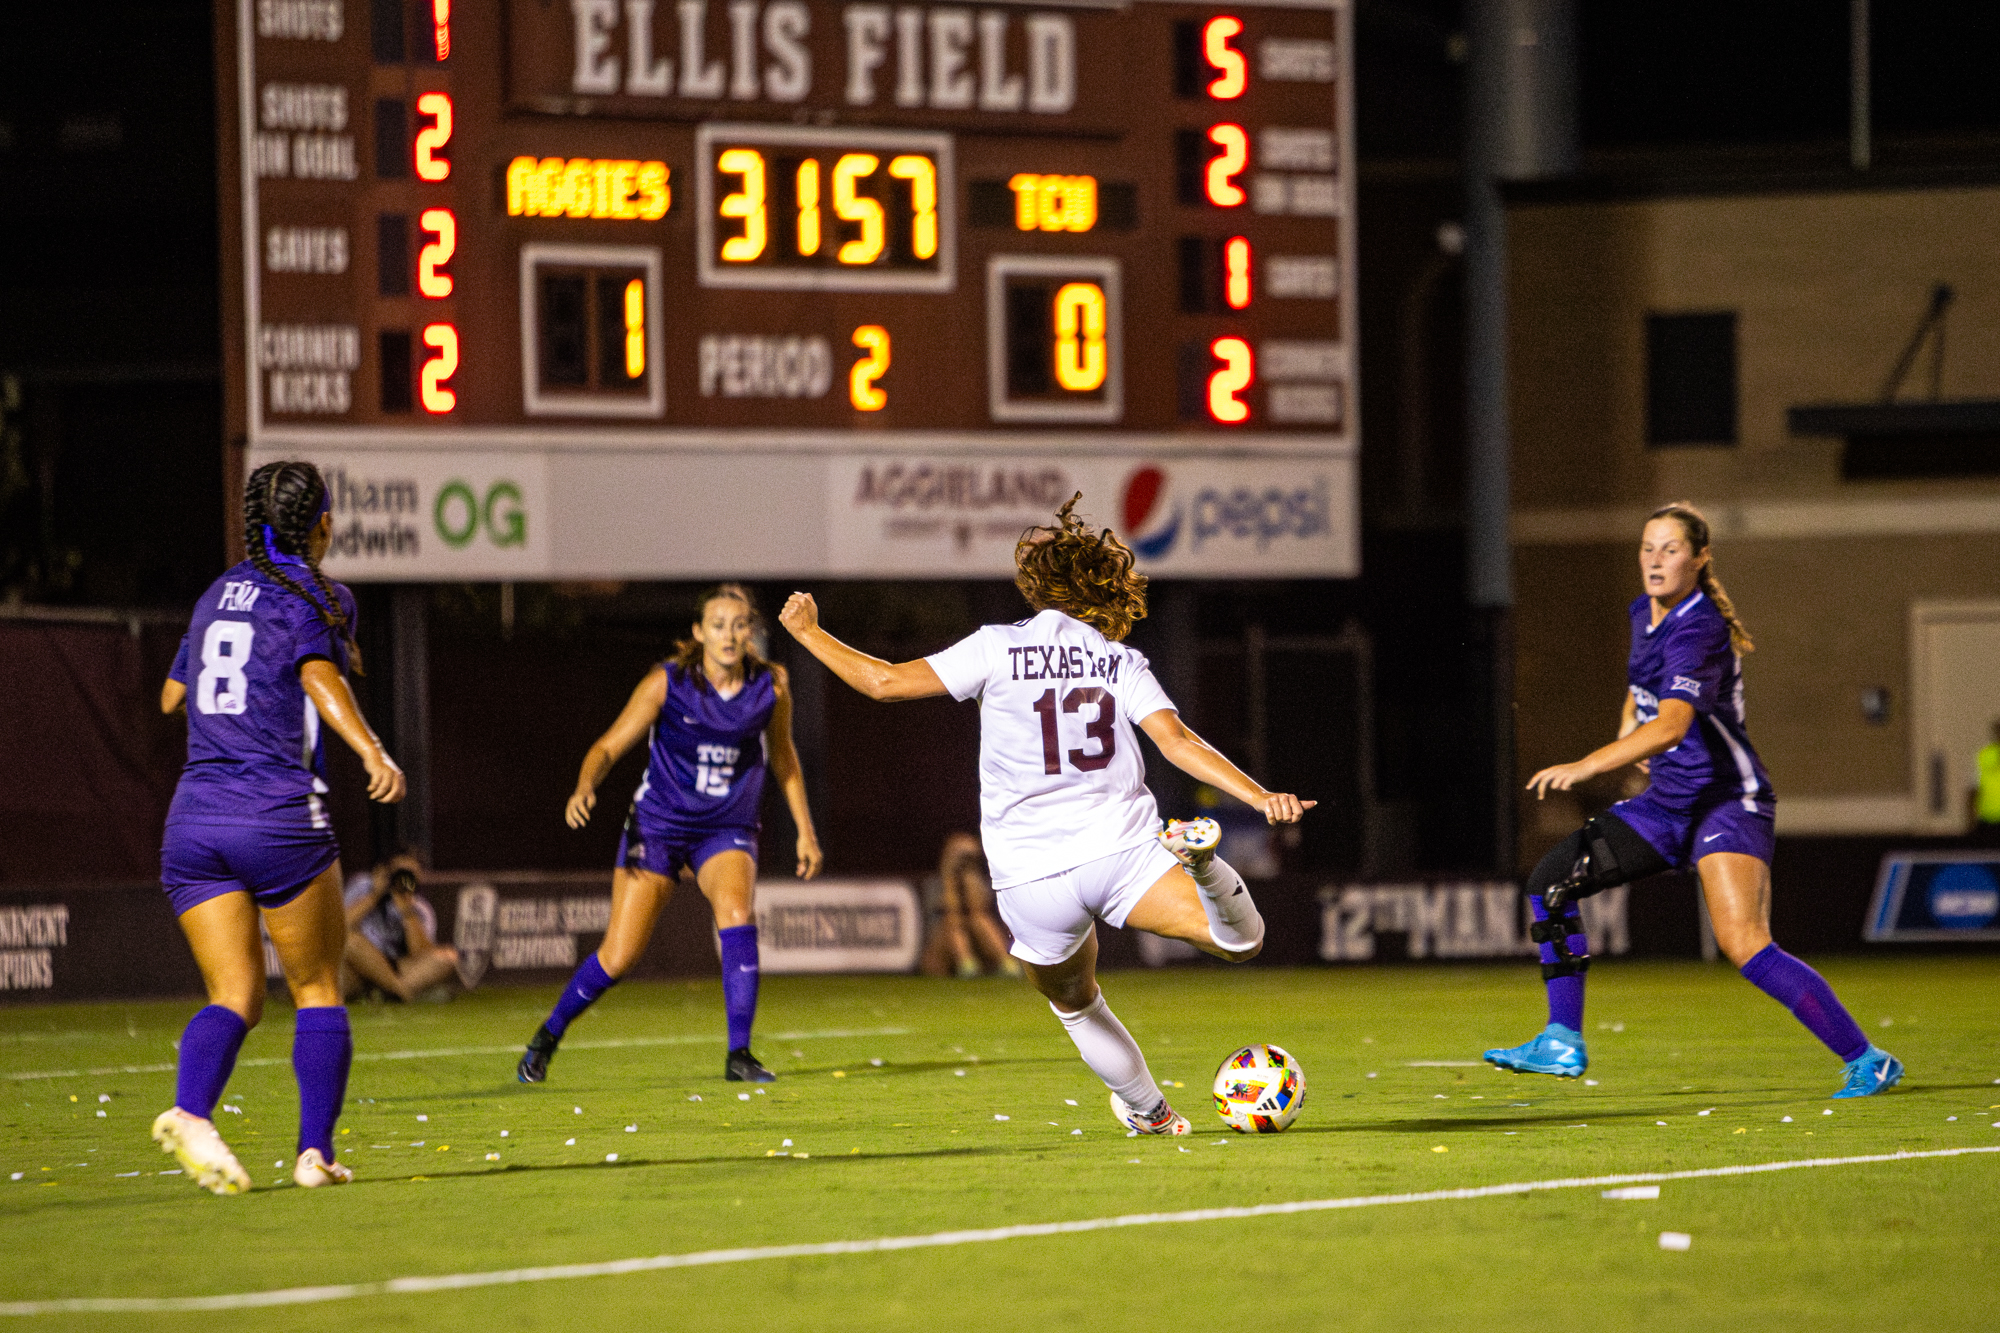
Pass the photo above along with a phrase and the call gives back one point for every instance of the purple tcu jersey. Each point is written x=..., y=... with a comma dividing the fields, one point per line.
x=706, y=764
x=1687, y=656
x=254, y=753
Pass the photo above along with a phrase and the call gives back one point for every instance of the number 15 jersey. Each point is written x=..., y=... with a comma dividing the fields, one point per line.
x=1061, y=779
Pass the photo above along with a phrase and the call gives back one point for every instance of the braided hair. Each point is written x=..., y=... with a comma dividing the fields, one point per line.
x=1696, y=527
x=1081, y=571
x=688, y=652
x=285, y=500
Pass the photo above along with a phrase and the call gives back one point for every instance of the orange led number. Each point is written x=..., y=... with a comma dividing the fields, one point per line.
x=746, y=203
x=1236, y=272
x=434, y=256
x=437, y=398
x=1235, y=71
x=441, y=27
x=1080, y=336
x=432, y=137
x=1238, y=370
x=809, y=214
x=861, y=391
x=635, y=329
x=1226, y=166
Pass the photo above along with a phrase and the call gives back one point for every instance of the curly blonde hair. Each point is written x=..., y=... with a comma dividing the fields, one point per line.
x=1081, y=571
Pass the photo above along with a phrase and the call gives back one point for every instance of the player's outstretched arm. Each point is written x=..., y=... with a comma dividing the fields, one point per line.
x=1663, y=733
x=888, y=682
x=1198, y=759
x=784, y=761
x=328, y=690
x=173, y=696
x=639, y=713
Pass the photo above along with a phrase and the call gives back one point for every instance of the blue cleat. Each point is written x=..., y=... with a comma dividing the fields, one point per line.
x=1555, y=1050
x=1872, y=1071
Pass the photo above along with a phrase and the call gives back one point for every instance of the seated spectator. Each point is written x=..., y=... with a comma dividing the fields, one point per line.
x=965, y=934
x=391, y=935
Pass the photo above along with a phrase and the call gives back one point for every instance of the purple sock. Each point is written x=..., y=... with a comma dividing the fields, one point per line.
x=589, y=981
x=739, y=982
x=1805, y=992
x=1565, y=993
x=208, y=1054
x=322, y=1050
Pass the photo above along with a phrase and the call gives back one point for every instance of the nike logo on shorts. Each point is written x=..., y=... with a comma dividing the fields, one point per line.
x=1711, y=837
x=739, y=842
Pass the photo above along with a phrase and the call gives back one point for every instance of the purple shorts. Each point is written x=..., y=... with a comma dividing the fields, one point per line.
x=664, y=852
x=272, y=863
x=1718, y=825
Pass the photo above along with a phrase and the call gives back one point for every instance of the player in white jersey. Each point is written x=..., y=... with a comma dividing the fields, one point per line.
x=1071, y=832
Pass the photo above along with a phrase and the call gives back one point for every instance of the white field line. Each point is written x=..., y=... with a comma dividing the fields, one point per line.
x=248, y=1300
x=445, y=1052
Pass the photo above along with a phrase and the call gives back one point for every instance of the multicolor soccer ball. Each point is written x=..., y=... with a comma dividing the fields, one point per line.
x=1260, y=1089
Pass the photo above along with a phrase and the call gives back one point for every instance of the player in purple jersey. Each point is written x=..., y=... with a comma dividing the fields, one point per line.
x=1709, y=804
x=718, y=715
x=262, y=666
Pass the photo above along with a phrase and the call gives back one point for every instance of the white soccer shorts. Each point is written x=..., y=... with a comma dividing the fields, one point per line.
x=1051, y=916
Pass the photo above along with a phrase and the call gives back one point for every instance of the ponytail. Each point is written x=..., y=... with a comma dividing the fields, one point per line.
x=281, y=503
x=1696, y=527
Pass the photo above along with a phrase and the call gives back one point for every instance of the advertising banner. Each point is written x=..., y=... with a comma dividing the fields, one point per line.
x=442, y=515
x=1935, y=896
x=949, y=515
x=834, y=925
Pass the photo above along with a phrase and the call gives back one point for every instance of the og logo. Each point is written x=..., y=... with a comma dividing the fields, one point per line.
x=459, y=514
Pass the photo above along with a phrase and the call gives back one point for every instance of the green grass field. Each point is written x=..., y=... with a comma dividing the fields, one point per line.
x=910, y=1106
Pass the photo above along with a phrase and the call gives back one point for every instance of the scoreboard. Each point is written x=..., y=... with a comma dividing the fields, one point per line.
x=678, y=288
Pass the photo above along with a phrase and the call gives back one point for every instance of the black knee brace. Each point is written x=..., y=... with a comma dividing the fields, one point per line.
x=1604, y=853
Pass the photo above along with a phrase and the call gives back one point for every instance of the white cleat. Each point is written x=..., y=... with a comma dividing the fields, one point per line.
x=1165, y=1120
x=1192, y=841
x=201, y=1152
x=314, y=1171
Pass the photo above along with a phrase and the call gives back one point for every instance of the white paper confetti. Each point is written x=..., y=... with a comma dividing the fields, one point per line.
x=576, y=1110
x=279, y=1162
x=695, y=1097
x=1437, y=1097
x=503, y=1133
x=105, y=1097
x=174, y=1172
x=493, y=1157
x=1372, y=1074
x=1634, y=1192
x=569, y=1143
x=611, y=1157
x=18, y=1174
x=786, y=1144
x=102, y=1116
x=1003, y=1117
x=1786, y=1121
x=1076, y=1133
x=1659, y=1122
x=1130, y=1134
x=631, y=1129
x=760, y=1092
x=1949, y=1117
x=958, y=1073
x=1069, y=1101
x=877, y=1062
x=120, y=1175
x=1590, y=1083
x=1709, y=1111
x=1133, y=1161
x=1675, y=1240
x=742, y=1096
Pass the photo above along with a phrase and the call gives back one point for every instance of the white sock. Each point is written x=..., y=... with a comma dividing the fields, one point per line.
x=1233, y=919
x=1112, y=1055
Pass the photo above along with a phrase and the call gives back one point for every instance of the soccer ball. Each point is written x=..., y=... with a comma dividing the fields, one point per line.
x=1260, y=1089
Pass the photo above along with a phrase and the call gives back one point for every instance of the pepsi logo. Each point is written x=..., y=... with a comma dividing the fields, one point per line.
x=1152, y=515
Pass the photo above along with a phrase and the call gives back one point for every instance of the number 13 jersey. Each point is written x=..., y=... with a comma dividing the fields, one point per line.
x=1061, y=779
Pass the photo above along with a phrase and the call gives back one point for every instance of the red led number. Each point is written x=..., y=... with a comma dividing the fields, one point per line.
x=434, y=136
x=1236, y=272
x=1239, y=370
x=1227, y=165
x=439, y=399
x=432, y=281
x=1232, y=70
x=441, y=27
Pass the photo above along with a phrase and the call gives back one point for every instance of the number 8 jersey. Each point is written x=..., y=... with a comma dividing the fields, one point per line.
x=1061, y=779
x=254, y=752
